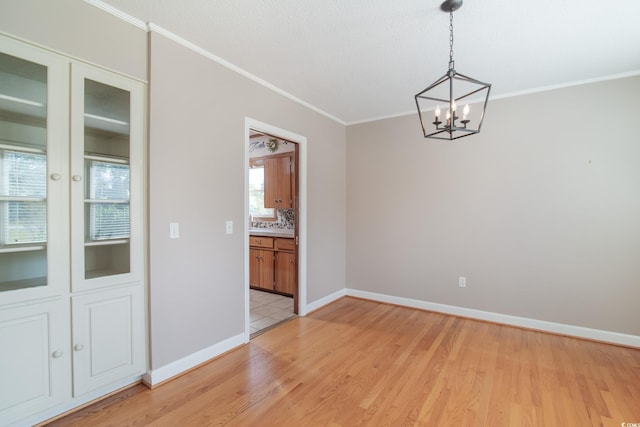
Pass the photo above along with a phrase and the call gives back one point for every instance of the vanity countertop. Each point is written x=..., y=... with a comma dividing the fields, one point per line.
x=271, y=232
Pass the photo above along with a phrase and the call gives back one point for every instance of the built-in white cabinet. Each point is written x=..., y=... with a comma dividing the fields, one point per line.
x=108, y=337
x=72, y=313
x=35, y=359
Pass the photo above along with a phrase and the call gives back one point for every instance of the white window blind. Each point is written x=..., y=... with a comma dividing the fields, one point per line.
x=256, y=194
x=108, y=200
x=23, y=190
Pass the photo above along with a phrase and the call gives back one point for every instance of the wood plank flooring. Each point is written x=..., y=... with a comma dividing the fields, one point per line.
x=362, y=363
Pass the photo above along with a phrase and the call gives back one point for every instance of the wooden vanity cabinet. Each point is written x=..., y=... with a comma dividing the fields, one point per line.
x=285, y=272
x=261, y=266
x=272, y=264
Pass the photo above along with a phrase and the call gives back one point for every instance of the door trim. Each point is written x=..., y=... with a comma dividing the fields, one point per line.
x=259, y=126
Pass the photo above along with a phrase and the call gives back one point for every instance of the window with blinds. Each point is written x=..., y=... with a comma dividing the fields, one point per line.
x=256, y=195
x=23, y=192
x=107, y=200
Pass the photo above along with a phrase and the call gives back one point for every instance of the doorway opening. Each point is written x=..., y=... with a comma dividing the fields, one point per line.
x=275, y=284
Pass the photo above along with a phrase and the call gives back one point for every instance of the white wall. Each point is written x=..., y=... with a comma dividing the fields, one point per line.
x=197, y=164
x=540, y=212
x=78, y=29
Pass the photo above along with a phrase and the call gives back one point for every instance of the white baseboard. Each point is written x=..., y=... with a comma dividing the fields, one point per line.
x=523, y=322
x=156, y=376
x=322, y=302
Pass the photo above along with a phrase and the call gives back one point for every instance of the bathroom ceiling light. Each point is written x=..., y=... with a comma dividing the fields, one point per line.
x=452, y=90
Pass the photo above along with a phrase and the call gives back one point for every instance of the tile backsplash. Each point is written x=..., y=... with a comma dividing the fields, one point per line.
x=284, y=221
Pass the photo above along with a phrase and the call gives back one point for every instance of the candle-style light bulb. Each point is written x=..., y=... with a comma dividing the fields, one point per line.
x=465, y=112
x=437, y=112
x=448, y=114
x=453, y=107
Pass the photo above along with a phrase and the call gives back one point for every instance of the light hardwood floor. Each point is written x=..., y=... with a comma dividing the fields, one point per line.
x=358, y=362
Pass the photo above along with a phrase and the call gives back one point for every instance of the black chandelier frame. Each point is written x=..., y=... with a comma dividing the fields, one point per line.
x=453, y=128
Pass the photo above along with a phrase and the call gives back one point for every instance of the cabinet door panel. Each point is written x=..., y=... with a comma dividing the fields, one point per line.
x=107, y=137
x=284, y=183
x=271, y=180
x=34, y=361
x=277, y=182
x=33, y=181
x=254, y=267
x=261, y=268
x=108, y=337
x=285, y=273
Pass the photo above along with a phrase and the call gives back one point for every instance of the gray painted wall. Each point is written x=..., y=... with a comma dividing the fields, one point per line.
x=540, y=212
x=197, y=166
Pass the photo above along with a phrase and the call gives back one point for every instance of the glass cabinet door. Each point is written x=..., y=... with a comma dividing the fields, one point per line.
x=32, y=188
x=106, y=171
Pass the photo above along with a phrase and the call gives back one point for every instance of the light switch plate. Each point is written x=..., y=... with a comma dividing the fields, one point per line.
x=174, y=230
x=229, y=227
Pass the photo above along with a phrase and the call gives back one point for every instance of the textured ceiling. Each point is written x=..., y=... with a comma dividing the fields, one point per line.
x=358, y=60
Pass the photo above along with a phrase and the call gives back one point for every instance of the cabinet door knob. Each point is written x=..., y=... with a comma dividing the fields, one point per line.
x=78, y=347
x=56, y=354
x=76, y=178
x=55, y=176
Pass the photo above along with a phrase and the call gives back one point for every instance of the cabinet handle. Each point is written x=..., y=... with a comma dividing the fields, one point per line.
x=78, y=347
x=76, y=178
x=55, y=176
x=290, y=261
x=56, y=354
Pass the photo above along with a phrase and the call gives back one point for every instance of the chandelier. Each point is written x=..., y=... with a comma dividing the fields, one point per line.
x=452, y=90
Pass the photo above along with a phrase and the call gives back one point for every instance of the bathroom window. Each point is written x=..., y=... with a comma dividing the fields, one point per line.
x=23, y=188
x=107, y=200
x=256, y=194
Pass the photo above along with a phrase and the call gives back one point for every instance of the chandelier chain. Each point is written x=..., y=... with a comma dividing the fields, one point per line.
x=451, y=40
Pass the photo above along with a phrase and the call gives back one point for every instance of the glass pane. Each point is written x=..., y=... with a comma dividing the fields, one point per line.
x=106, y=260
x=23, y=174
x=107, y=186
x=108, y=221
x=106, y=120
x=108, y=181
x=22, y=196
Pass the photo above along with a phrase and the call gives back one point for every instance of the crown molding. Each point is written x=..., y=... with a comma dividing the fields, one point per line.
x=118, y=14
x=633, y=73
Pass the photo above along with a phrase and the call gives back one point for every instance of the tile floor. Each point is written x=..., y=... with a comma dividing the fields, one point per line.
x=267, y=309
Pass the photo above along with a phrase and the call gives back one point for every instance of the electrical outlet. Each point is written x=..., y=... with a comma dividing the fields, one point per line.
x=462, y=282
